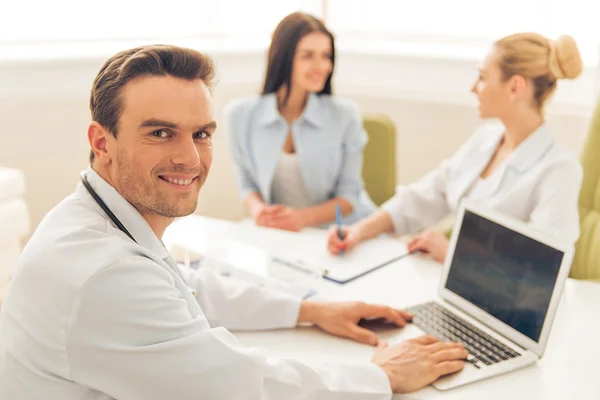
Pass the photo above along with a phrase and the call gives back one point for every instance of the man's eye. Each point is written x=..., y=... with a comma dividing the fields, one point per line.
x=201, y=135
x=161, y=133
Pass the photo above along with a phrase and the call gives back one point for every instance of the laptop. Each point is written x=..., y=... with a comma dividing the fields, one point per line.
x=498, y=295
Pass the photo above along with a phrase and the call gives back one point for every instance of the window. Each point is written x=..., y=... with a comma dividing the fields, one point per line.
x=42, y=21
x=435, y=21
x=31, y=21
x=464, y=21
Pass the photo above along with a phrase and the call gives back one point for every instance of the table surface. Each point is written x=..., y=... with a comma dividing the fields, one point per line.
x=568, y=368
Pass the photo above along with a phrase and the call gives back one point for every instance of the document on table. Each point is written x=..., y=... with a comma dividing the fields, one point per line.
x=308, y=249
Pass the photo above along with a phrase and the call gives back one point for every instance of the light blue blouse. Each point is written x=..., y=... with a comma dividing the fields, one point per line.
x=329, y=139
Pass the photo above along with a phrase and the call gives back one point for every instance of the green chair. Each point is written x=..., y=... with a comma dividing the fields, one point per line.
x=379, y=158
x=586, y=264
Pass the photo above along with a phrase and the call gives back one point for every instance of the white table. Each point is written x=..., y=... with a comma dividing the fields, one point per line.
x=569, y=368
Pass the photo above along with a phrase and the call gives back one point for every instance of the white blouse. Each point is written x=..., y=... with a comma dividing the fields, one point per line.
x=538, y=183
x=287, y=187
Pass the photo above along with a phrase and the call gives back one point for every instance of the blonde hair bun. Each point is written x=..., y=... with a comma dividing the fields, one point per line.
x=564, y=60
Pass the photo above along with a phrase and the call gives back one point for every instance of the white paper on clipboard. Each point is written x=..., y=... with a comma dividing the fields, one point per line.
x=308, y=250
x=366, y=257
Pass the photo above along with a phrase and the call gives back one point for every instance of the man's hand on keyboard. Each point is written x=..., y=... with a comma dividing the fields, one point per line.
x=415, y=363
x=342, y=318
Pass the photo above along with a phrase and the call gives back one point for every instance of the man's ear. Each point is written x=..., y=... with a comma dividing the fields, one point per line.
x=98, y=137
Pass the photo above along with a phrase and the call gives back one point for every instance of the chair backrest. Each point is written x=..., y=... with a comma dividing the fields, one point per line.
x=586, y=264
x=379, y=158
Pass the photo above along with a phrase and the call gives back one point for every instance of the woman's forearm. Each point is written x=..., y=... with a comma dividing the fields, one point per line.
x=254, y=203
x=377, y=223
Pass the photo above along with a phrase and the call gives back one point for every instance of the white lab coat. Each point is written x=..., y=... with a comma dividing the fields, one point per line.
x=90, y=314
x=539, y=183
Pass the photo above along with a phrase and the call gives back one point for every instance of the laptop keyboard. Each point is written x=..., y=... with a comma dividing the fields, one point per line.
x=440, y=322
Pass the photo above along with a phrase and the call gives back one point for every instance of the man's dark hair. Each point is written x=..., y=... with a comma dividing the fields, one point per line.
x=106, y=103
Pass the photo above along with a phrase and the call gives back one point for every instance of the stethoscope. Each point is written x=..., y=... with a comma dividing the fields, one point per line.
x=116, y=220
x=104, y=207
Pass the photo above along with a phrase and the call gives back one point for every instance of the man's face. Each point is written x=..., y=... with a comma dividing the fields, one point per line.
x=163, y=150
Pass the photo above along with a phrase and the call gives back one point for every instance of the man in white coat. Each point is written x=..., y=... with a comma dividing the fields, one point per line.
x=97, y=309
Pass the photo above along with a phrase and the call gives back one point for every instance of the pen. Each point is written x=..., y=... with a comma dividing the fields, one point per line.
x=338, y=217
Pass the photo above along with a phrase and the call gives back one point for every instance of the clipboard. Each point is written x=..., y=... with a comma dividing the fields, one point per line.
x=365, y=258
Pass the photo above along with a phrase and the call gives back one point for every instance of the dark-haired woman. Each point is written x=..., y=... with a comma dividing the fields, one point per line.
x=297, y=148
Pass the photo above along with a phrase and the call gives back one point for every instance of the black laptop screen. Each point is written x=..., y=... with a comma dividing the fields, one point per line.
x=507, y=274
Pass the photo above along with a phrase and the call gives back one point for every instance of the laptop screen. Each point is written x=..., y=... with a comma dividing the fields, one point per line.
x=505, y=273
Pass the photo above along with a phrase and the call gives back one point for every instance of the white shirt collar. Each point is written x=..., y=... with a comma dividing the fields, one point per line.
x=528, y=153
x=532, y=149
x=127, y=214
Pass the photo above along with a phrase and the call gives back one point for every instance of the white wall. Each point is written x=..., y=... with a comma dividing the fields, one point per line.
x=44, y=115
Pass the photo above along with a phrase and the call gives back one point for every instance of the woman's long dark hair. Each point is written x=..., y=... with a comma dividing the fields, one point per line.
x=283, y=48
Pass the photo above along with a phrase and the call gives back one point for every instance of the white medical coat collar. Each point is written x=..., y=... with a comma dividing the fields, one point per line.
x=126, y=213
x=528, y=153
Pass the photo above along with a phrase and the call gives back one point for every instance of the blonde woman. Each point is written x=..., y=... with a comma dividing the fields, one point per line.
x=515, y=166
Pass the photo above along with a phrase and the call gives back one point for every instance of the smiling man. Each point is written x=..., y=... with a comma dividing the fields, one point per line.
x=97, y=309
